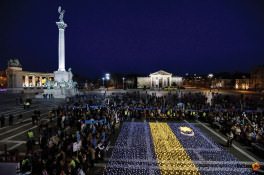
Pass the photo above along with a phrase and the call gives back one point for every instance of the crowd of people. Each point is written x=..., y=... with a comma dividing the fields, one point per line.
x=78, y=133
x=240, y=117
x=153, y=107
x=75, y=136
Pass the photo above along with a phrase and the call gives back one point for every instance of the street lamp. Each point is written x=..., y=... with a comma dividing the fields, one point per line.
x=123, y=82
x=210, y=75
x=107, y=77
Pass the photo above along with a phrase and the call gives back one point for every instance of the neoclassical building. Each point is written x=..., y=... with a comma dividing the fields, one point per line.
x=18, y=79
x=159, y=79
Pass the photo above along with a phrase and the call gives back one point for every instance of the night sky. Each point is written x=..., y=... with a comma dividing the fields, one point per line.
x=134, y=36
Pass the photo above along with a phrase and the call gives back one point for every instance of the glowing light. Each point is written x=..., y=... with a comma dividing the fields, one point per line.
x=107, y=76
x=43, y=81
x=247, y=86
x=186, y=131
x=210, y=75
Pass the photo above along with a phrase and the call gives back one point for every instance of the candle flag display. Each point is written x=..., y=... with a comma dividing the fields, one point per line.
x=165, y=149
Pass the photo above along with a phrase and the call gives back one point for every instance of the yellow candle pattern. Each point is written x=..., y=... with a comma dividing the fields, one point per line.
x=171, y=156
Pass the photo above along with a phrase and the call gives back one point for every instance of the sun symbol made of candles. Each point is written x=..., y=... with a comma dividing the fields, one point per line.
x=186, y=131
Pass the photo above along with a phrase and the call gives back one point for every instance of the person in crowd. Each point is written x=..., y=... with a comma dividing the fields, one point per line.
x=2, y=120
x=20, y=116
x=230, y=137
x=11, y=119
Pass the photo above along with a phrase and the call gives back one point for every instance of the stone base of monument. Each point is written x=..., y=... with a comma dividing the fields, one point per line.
x=60, y=76
x=58, y=93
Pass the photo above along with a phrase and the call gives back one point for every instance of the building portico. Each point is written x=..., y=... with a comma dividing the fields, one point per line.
x=159, y=79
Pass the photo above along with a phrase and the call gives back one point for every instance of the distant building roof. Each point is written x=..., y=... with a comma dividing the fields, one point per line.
x=161, y=72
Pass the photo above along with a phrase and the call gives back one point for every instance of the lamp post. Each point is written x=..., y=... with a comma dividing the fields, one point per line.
x=210, y=77
x=123, y=82
x=107, y=77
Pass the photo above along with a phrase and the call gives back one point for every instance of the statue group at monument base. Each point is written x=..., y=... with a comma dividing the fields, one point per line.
x=62, y=87
x=58, y=93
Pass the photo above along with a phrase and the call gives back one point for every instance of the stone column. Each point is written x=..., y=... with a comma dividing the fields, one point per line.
x=40, y=81
x=33, y=81
x=61, y=26
x=26, y=81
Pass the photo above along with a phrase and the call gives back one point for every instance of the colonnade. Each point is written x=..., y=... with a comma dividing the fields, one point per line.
x=160, y=81
x=34, y=80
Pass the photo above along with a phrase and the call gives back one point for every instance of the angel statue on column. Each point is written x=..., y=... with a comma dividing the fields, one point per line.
x=61, y=12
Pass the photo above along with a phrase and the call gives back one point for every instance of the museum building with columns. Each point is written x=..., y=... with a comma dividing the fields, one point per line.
x=17, y=78
x=159, y=79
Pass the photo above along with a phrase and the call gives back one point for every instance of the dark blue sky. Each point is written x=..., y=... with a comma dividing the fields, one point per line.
x=135, y=36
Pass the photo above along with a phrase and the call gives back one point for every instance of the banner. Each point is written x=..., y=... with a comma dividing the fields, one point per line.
x=91, y=122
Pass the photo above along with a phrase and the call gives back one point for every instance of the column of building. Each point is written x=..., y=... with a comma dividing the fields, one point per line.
x=26, y=81
x=33, y=81
x=40, y=81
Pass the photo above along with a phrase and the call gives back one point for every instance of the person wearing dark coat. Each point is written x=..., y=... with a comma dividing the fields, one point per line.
x=2, y=120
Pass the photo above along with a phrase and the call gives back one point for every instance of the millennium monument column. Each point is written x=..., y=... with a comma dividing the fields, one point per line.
x=63, y=86
x=61, y=75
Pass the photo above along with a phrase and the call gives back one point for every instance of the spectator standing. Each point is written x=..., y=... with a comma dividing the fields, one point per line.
x=2, y=120
x=230, y=137
x=11, y=119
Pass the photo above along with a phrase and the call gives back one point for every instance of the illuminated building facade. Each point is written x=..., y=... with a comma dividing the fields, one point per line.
x=159, y=79
x=3, y=79
x=17, y=78
x=242, y=83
